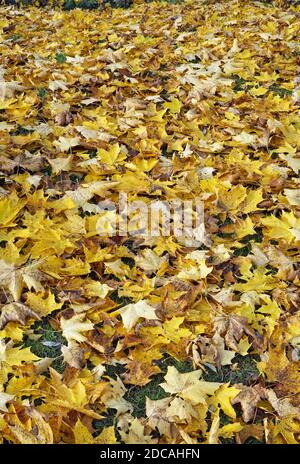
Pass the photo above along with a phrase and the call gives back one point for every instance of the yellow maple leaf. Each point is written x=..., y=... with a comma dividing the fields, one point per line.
x=72, y=328
x=223, y=397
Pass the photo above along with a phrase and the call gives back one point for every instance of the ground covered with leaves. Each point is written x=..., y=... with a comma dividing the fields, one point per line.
x=106, y=338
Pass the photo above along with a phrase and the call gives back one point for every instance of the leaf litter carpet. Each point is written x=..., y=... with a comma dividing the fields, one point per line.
x=109, y=338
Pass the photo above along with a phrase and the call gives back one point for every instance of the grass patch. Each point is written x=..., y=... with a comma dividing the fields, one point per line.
x=48, y=345
x=60, y=58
